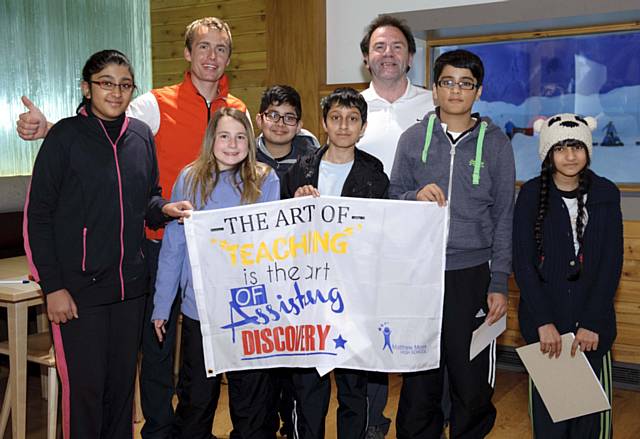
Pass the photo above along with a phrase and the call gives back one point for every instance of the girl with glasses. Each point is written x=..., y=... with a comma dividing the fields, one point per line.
x=94, y=185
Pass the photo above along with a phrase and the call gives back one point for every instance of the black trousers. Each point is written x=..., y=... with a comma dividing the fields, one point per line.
x=593, y=426
x=283, y=400
x=96, y=357
x=471, y=382
x=378, y=393
x=312, y=393
x=250, y=395
x=156, y=370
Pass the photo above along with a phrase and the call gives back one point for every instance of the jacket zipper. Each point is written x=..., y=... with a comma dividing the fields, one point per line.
x=84, y=249
x=450, y=185
x=449, y=189
x=208, y=105
x=144, y=227
x=114, y=146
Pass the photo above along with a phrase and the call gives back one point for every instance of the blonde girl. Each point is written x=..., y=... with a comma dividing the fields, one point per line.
x=225, y=174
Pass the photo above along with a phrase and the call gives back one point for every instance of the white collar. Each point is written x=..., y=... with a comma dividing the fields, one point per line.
x=372, y=95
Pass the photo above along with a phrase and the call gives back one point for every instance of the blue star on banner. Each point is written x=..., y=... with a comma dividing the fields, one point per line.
x=340, y=342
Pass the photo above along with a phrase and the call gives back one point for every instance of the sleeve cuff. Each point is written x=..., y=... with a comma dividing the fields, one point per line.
x=592, y=324
x=411, y=195
x=51, y=285
x=543, y=320
x=159, y=315
x=498, y=283
x=155, y=217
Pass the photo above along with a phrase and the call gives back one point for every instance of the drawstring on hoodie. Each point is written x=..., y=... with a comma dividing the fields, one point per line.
x=479, y=145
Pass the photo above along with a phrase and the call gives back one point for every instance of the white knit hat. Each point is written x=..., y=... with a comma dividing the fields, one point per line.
x=561, y=127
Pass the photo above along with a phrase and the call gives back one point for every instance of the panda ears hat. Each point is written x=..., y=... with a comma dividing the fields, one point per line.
x=561, y=127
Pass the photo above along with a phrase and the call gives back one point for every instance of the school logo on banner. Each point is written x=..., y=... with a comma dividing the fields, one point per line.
x=319, y=282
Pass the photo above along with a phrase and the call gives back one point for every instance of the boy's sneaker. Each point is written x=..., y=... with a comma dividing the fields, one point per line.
x=373, y=432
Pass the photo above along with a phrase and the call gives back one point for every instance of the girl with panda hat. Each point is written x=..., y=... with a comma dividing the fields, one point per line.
x=567, y=259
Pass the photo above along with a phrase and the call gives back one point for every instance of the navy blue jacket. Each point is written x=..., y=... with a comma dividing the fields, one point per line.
x=86, y=210
x=552, y=298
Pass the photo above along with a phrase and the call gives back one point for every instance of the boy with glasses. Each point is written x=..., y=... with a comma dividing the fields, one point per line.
x=457, y=158
x=282, y=140
x=280, y=145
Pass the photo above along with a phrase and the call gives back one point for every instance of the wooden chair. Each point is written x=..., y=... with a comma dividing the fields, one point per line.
x=39, y=350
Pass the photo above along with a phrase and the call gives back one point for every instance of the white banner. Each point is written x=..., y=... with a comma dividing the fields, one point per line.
x=320, y=282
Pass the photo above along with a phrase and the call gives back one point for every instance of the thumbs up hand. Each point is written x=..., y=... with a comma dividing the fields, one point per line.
x=32, y=124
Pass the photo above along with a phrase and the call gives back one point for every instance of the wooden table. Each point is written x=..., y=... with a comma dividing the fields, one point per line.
x=17, y=298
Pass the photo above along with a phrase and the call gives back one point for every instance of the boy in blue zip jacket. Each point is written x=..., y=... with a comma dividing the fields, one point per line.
x=457, y=158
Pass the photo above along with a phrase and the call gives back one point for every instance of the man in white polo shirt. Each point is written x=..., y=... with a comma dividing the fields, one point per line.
x=394, y=105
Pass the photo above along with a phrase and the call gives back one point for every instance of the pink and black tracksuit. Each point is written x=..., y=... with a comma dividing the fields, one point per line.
x=94, y=186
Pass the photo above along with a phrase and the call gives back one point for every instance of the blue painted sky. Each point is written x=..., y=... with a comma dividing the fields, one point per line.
x=516, y=71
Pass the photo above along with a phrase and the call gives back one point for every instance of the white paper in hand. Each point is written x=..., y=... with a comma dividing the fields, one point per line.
x=484, y=335
x=567, y=385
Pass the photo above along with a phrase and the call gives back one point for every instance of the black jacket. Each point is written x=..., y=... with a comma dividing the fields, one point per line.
x=552, y=296
x=365, y=180
x=86, y=210
x=302, y=144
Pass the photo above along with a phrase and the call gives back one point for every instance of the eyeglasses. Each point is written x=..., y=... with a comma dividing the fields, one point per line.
x=450, y=84
x=288, y=119
x=110, y=86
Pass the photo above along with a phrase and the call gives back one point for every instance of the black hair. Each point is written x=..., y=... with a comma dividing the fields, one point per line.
x=546, y=174
x=281, y=94
x=98, y=61
x=388, y=20
x=461, y=59
x=344, y=97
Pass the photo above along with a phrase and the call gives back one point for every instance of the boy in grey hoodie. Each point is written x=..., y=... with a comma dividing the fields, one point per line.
x=457, y=158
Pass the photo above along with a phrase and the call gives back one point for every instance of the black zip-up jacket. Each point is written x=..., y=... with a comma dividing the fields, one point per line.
x=302, y=144
x=365, y=180
x=86, y=208
x=553, y=295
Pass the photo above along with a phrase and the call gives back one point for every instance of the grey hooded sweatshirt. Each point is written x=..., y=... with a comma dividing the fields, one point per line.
x=481, y=214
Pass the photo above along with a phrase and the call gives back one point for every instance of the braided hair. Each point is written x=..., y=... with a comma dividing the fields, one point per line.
x=547, y=169
x=583, y=188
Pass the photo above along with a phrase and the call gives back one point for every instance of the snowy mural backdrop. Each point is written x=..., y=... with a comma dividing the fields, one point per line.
x=592, y=75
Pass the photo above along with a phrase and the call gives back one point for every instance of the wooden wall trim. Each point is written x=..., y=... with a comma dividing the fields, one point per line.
x=585, y=30
x=515, y=36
